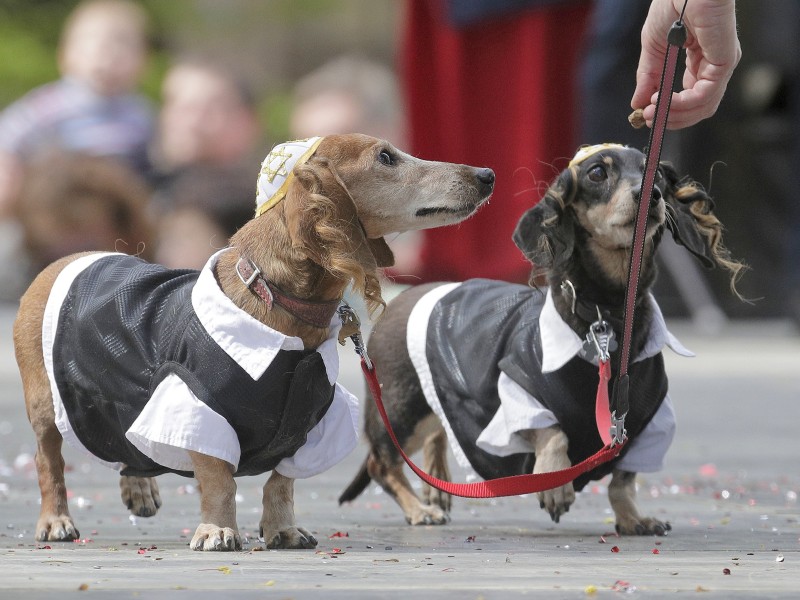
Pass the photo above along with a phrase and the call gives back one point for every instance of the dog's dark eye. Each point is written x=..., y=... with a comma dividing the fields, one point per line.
x=386, y=158
x=597, y=173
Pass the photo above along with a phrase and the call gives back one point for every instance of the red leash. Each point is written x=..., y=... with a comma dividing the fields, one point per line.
x=503, y=486
x=610, y=426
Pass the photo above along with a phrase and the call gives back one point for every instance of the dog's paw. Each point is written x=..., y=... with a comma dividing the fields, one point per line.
x=54, y=528
x=140, y=495
x=427, y=515
x=557, y=501
x=642, y=526
x=291, y=538
x=209, y=537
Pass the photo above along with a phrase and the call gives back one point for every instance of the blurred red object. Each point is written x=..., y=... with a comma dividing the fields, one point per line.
x=497, y=92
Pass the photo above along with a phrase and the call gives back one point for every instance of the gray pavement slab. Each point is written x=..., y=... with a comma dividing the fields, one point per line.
x=729, y=489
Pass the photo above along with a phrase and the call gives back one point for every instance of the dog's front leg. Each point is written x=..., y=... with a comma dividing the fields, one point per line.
x=550, y=446
x=622, y=496
x=217, y=530
x=278, y=527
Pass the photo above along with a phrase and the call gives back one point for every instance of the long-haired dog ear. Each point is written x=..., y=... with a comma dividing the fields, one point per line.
x=685, y=201
x=323, y=223
x=545, y=233
x=693, y=224
x=384, y=257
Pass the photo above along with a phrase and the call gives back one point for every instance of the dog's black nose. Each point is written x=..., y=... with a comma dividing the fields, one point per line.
x=485, y=176
x=656, y=197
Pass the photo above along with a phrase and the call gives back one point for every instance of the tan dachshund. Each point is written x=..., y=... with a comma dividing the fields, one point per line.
x=324, y=206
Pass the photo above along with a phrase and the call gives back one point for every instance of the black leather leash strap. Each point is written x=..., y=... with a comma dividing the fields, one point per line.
x=675, y=41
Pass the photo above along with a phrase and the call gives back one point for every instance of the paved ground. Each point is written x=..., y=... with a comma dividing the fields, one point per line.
x=729, y=489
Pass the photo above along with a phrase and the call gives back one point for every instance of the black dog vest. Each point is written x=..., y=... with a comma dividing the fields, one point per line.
x=483, y=327
x=125, y=325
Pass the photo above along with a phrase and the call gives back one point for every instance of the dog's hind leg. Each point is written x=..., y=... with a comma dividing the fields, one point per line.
x=414, y=423
x=435, y=463
x=278, y=526
x=55, y=522
x=140, y=495
x=622, y=496
x=395, y=483
x=385, y=466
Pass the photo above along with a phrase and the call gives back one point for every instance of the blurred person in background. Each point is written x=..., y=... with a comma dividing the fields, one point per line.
x=93, y=109
x=73, y=202
x=205, y=159
x=205, y=210
x=349, y=94
x=208, y=118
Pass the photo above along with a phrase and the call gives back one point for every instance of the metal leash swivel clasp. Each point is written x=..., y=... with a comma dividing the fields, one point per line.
x=617, y=430
x=600, y=340
x=351, y=328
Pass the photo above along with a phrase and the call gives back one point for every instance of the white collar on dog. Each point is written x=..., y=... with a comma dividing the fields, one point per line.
x=585, y=152
x=560, y=344
x=245, y=339
x=276, y=171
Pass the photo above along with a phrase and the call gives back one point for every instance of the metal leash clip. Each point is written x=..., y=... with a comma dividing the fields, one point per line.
x=617, y=430
x=600, y=340
x=351, y=328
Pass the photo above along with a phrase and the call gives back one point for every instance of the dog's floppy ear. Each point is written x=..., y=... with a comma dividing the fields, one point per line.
x=323, y=223
x=384, y=257
x=693, y=224
x=686, y=203
x=545, y=233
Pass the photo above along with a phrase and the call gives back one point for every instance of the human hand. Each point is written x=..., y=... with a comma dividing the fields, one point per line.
x=712, y=53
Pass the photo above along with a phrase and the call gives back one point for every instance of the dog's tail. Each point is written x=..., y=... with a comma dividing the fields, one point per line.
x=358, y=485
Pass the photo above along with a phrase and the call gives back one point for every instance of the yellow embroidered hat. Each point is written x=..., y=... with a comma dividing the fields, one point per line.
x=276, y=171
x=585, y=152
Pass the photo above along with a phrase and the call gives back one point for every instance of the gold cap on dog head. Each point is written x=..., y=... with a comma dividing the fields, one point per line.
x=585, y=152
x=276, y=171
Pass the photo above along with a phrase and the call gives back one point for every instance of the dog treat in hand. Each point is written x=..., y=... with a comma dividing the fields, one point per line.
x=636, y=118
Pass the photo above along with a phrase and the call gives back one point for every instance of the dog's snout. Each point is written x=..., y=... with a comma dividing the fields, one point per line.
x=485, y=177
x=654, y=199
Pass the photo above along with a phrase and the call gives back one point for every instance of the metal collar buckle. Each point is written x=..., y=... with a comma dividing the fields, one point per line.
x=248, y=281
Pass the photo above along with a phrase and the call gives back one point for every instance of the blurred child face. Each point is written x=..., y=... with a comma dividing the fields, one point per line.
x=203, y=119
x=105, y=49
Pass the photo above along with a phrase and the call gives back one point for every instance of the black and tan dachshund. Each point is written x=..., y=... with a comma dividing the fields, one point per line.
x=505, y=373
